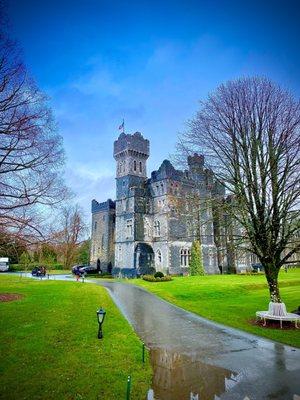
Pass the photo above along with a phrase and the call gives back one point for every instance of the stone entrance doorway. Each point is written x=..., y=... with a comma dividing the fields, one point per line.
x=144, y=258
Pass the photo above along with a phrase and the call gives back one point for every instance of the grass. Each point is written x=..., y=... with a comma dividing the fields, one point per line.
x=49, y=271
x=49, y=346
x=231, y=299
x=59, y=271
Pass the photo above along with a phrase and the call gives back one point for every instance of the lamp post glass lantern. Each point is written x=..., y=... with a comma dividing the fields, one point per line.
x=101, y=316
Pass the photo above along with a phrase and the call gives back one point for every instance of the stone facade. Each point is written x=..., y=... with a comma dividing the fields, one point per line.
x=103, y=235
x=153, y=222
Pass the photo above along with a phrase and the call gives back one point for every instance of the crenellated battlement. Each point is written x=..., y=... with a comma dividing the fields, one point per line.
x=104, y=206
x=131, y=145
x=131, y=153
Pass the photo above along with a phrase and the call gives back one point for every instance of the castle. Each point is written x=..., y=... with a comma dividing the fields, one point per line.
x=153, y=221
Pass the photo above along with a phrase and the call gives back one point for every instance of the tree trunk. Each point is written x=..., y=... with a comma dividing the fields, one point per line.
x=272, y=278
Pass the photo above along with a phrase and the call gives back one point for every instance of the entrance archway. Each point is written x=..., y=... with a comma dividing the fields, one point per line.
x=144, y=258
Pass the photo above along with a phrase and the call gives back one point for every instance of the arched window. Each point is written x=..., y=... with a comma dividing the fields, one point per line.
x=134, y=165
x=157, y=228
x=141, y=169
x=158, y=257
x=185, y=255
x=102, y=242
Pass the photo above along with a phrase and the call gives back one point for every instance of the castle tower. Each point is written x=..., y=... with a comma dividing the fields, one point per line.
x=131, y=153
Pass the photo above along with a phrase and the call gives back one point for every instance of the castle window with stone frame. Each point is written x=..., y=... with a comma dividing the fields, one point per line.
x=95, y=225
x=185, y=255
x=141, y=169
x=129, y=228
x=158, y=258
x=134, y=166
x=157, y=228
x=119, y=253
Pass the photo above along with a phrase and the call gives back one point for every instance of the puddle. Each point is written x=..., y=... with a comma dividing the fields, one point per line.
x=181, y=376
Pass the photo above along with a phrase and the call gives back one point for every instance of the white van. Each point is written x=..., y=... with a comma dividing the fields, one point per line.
x=4, y=264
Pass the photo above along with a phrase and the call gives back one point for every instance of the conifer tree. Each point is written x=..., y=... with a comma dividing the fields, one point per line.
x=196, y=263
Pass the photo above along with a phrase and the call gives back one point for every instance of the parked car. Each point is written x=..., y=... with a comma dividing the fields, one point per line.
x=76, y=269
x=84, y=269
x=4, y=264
x=38, y=271
x=257, y=267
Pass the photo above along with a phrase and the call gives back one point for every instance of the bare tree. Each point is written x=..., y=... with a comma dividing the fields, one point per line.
x=249, y=130
x=31, y=152
x=70, y=234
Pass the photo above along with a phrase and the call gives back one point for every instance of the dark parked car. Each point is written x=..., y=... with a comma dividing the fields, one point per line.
x=84, y=269
x=38, y=271
x=257, y=267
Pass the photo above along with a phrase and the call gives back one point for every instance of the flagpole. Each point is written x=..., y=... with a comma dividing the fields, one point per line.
x=122, y=126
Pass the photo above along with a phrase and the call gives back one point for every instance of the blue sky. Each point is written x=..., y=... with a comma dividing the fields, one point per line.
x=148, y=62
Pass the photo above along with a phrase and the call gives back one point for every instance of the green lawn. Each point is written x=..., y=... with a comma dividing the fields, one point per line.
x=49, y=346
x=231, y=299
x=58, y=271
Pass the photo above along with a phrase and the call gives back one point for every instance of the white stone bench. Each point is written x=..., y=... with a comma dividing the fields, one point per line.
x=277, y=312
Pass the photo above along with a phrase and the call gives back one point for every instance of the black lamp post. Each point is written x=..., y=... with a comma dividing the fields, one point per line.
x=100, y=315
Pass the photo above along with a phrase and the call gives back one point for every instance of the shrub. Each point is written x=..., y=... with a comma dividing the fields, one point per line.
x=151, y=278
x=159, y=274
x=196, y=264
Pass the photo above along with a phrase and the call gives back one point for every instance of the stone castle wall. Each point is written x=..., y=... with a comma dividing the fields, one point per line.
x=103, y=235
x=153, y=222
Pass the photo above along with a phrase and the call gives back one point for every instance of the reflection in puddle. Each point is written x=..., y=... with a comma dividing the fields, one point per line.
x=180, y=376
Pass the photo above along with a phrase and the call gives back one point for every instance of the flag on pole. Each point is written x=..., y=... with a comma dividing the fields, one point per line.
x=121, y=127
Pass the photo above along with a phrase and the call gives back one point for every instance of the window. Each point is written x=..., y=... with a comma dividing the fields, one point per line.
x=157, y=228
x=119, y=254
x=102, y=242
x=189, y=230
x=134, y=165
x=185, y=256
x=129, y=229
x=95, y=225
x=158, y=257
x=141, y=169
